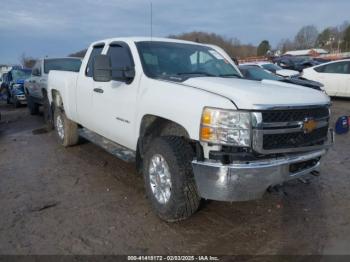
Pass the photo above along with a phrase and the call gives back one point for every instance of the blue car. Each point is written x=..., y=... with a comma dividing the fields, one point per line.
x=14, y=84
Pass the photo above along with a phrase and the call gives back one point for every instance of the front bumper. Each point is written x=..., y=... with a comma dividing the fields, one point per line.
x=247, y=181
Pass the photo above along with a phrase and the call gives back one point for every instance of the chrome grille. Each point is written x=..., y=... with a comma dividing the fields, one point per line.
x=283, y=131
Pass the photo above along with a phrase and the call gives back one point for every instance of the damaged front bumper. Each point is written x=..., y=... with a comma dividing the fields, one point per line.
x=247, y=181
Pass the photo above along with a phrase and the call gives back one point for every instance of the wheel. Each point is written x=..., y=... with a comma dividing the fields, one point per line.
x=16, y=103
x=47, y=111
x=8, y=97
x=66, y=130
x=32, y=106
x=169, y=178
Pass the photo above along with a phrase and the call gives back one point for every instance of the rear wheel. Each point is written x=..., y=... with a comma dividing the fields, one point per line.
x=66, y=130
x=169, y=179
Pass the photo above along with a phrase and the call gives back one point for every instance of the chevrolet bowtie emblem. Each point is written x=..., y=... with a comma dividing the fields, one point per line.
x=309, y=125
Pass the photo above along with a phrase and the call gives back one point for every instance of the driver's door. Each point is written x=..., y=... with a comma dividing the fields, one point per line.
x=114, y=102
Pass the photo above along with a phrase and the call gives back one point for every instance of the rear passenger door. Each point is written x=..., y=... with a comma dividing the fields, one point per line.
x=335, y=77
x=85, y=91
x=33, y=86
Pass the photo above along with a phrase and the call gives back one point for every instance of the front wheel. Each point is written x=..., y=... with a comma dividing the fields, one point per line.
x=169, y=178
x=32, y=106
x=66, y=130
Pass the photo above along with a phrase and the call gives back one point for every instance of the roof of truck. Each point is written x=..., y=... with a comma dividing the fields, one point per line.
x=146, y=38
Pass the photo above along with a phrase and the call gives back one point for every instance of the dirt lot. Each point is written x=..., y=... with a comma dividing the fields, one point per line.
x=81, y=200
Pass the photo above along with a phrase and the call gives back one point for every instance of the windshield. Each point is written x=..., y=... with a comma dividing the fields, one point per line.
x=271, y=67
x=65, y=64
x=179, y=61
x=257, y=73
x=19, y=74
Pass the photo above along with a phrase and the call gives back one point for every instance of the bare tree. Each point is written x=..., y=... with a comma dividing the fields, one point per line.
x=231, y=45
x=306, y=37
x=27, y=61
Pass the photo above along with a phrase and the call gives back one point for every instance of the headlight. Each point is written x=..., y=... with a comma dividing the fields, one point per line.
x=226, y=127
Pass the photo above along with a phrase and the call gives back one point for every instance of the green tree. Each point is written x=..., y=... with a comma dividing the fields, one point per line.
x=346, y=40
x=324, y=38
x=263, y=48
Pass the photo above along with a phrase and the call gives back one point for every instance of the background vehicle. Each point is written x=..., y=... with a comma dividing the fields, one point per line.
x=297, y=63
x=252, y=72
x=195, y=129
x=36, y=85
x=14, y=85
x=275, y=69
x=335, y=76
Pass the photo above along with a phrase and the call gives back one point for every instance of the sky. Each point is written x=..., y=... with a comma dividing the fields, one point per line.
x=42, y=28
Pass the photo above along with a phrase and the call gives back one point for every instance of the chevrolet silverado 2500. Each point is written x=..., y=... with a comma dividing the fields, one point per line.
x=195, y=129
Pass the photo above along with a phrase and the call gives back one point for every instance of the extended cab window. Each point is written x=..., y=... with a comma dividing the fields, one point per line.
x=62, y=64
x=97, y=50
x=120, y=58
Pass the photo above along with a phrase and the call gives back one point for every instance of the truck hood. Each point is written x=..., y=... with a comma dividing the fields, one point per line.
x=248, y=94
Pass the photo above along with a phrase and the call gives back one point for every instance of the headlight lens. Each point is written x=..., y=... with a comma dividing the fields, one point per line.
x=226, y=127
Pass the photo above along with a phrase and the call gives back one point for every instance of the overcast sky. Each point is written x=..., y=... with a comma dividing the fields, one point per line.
x=59, y=27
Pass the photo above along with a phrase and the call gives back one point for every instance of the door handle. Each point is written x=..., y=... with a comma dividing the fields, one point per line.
x=98, y=90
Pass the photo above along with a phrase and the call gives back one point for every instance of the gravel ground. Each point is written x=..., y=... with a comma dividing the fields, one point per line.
x=82, y=200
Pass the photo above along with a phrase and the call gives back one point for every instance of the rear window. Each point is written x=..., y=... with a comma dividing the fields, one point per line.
x=66, y=64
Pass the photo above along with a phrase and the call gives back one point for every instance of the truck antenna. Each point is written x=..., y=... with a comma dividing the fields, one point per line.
x=151, y=20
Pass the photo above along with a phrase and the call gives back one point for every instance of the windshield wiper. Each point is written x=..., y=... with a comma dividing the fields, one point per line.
x=195, y=73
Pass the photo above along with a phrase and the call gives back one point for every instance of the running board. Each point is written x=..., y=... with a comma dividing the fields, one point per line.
x=108, y=145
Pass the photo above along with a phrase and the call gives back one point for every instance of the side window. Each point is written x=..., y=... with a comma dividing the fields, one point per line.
x=337, y=68
x=97, y=50
x=120, y=58
x=36, y=69
x=319, y=69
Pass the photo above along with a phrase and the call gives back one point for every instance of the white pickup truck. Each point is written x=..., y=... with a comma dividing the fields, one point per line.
x=195, y=129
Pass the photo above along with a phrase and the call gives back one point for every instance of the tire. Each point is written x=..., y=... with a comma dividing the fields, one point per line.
x=47, y=112
x=32, y=106
x=16, y=103
x=184, y=199
x=66, y=130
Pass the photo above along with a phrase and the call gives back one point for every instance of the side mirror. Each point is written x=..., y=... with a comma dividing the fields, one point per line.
x=36, y=72
x=102, y=69
x=129, y=74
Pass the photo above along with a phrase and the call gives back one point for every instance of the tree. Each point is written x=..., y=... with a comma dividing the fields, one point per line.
x=231, y=45
x=325, y=38
x=346, y=40
x=306, y=37
x=285, y=45
x=263, y=48
x=27, y=61
x=80, y=53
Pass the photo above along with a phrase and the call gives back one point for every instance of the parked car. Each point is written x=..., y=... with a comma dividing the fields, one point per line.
x=195, y=129
x=253, y=72
x=275, y=69
x=14, y=85
x=335, y=76
x=36, y=86
x=297, y=63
